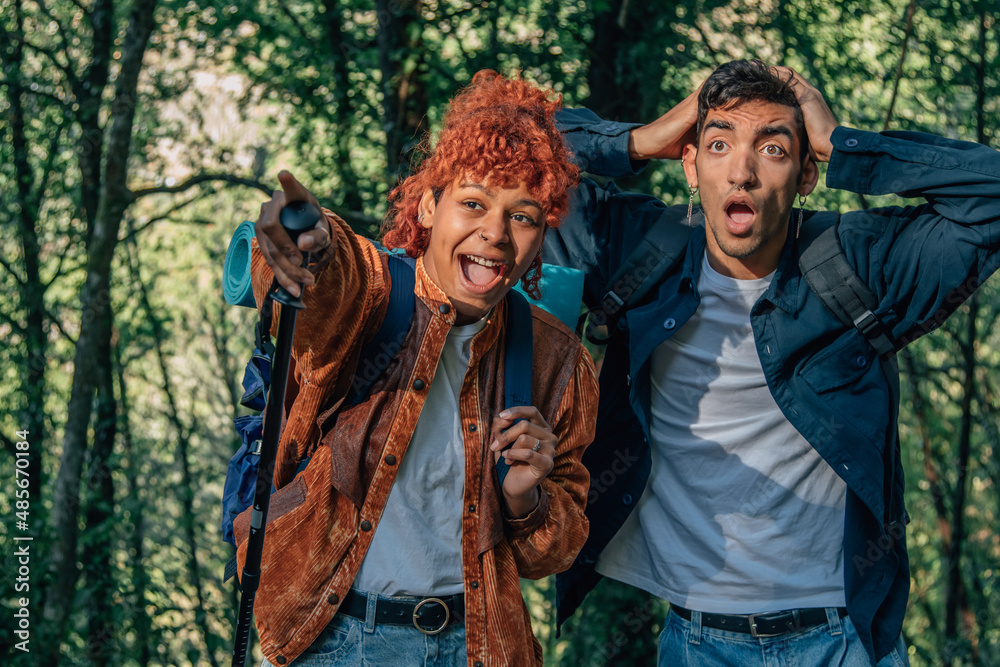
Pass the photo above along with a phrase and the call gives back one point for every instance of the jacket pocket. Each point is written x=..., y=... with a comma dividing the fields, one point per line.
x=283, y=501
x=848, y=377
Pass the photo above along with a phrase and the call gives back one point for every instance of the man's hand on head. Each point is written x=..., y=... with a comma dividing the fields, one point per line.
x=816, y=115
x=666, y=136
x=281, y=254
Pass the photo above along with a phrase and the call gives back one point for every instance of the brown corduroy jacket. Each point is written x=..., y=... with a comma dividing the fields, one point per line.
x=321, y=522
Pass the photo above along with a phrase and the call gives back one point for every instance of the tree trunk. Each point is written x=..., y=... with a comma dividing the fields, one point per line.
x=401, y=60
x=98, y=544
x=94, y=330
x=343, y=112
x=31, y=293
x=140, y=580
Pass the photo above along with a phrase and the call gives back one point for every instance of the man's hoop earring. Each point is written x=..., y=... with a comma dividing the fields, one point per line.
x=693, y=191
x=798, y=225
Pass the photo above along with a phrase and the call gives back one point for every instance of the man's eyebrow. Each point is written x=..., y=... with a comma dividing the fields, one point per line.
x=773, y=130
x=719, y=124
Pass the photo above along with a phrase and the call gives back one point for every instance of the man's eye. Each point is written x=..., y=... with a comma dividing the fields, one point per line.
x=524, y=219
x=773, y=150
x=717, y=145
x=471, y=204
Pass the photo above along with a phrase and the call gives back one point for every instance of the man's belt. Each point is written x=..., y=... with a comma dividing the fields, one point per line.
x=769, y=624
x=429, y=615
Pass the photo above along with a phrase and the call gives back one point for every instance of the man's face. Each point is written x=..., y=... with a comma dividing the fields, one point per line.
x=483, y=239
x=747, y=169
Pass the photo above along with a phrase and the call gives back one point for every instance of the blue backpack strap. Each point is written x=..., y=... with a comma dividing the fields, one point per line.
x=378, y=353
x=518, y=364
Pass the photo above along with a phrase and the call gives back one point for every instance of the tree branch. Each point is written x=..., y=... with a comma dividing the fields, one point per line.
x=134, y=231
x=40, y=93
x=12, y=273
x=199, y=179
x=899, y=67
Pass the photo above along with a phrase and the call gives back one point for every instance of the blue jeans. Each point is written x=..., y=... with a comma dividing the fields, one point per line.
x=836, y=642
x=351, y=642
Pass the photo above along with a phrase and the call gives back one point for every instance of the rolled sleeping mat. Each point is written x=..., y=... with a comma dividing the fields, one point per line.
x=236, y=284
x=562, y=293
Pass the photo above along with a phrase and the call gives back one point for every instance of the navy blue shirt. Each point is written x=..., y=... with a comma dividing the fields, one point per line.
x=921, y=262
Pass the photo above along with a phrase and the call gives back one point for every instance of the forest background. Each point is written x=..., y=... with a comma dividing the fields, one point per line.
x=135, y=136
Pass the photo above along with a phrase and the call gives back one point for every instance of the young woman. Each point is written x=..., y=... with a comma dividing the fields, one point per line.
x=396, y=545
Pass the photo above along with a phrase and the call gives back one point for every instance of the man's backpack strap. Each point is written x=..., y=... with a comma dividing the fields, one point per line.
x=831, y=278
x=518, y=364
x=650, y=260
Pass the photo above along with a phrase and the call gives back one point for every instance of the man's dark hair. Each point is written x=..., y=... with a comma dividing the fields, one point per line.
x=740, y=81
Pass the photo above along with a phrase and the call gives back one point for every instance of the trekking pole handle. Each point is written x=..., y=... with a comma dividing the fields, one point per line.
x=297, y=217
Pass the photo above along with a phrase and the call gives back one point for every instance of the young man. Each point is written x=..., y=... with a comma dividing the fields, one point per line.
x=397, y=545
x=770, y=470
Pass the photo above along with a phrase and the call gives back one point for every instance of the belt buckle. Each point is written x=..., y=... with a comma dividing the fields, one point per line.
x=753, y=628
x=447, y=615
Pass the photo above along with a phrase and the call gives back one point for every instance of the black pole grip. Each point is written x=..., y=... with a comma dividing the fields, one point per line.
x=298, y=217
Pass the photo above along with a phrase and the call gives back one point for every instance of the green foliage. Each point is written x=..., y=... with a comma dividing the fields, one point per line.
x=244, y=89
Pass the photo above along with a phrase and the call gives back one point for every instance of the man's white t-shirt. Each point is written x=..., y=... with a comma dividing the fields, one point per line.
x=740, y=514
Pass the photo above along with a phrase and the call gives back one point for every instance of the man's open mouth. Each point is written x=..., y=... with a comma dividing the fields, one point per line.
x=740, y=217
x=481, y=274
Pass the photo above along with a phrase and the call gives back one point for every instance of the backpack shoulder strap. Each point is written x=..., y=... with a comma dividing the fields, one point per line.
x=831, y=278
x=379, y=352
x=658, y=251
x=517, y=377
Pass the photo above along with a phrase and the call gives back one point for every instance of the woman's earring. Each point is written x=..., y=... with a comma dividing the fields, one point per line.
x=798, y=225
x=693, y=190
x=420, y=218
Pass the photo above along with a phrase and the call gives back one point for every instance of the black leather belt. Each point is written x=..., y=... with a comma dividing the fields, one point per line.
x=768, y=624
x=429, y=615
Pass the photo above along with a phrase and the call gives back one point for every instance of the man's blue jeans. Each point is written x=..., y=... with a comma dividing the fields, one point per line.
x=836, y=642
x=349, y=642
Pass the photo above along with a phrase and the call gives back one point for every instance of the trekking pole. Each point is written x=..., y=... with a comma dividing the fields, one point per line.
x=296, y=218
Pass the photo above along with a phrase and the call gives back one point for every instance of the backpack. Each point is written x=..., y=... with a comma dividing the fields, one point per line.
x=241, y=474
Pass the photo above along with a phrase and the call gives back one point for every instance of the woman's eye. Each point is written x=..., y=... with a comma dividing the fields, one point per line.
x=524, y=219
x=473, y=205
x=773, y=150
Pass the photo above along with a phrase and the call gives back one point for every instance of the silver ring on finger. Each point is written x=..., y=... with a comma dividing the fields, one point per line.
x=538, y=445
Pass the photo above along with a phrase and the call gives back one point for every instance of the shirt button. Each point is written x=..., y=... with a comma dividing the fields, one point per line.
x=852, y=142
x=390, y=459
x=611, y=127
x=627, y=499
x=418, y=384
x=474, y=584
x=472, y=428
x=333, y=599
x=669, y=323
x=366, y=526
x=444, y=308
x=861, y=361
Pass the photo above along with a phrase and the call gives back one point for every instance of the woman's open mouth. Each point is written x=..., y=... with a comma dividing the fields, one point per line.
x=479, y=274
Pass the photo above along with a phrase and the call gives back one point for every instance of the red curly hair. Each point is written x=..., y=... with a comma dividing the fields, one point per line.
x=498, y=129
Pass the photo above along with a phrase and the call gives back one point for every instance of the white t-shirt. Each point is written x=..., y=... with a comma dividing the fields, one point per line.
x=417, y=546
x=740, y=514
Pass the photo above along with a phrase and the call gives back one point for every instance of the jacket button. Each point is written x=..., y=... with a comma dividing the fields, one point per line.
x=444, y=308
x=472, y=428
x=280, y=660
x=472, y=508
x=479, y=664
x=390, y=459
x=366, y=526
x=861, y=361
x=333, y=599
x=669, y=323
x=474, y=584
x=627, y=499
x=418, y=384
x=852, y=142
